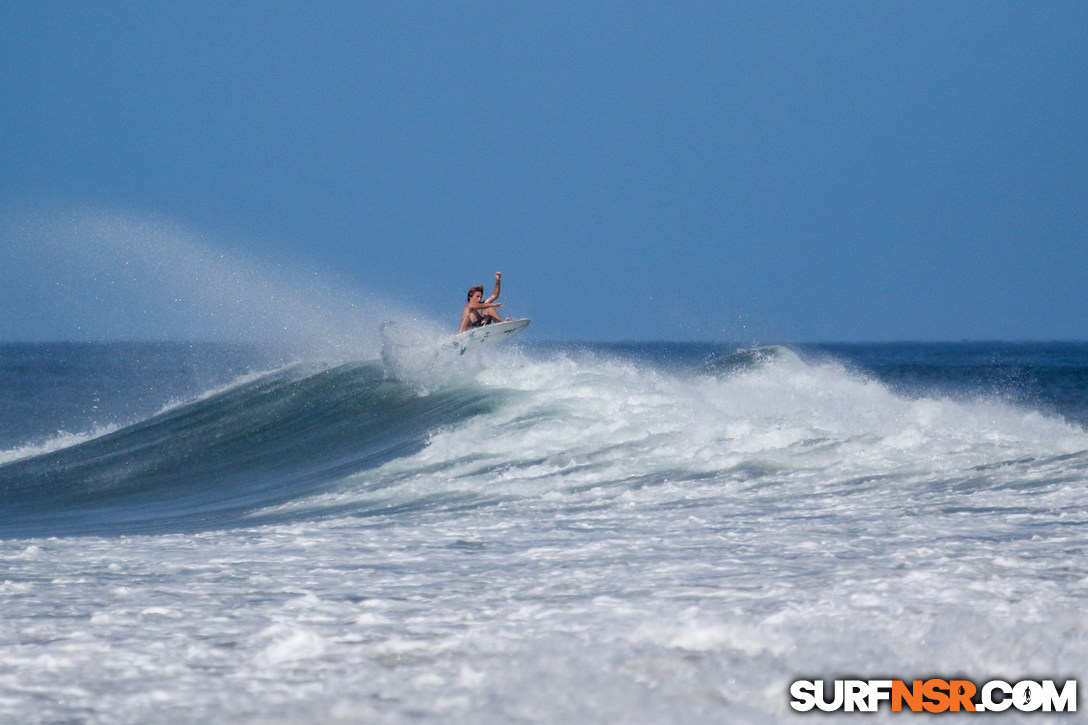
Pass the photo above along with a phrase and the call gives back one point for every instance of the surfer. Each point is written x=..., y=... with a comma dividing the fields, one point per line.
x=479, y=312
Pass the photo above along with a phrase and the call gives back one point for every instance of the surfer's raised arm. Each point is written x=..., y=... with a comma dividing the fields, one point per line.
x=498, y=283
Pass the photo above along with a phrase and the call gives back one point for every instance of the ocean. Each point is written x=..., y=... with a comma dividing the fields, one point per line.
x=534, y=533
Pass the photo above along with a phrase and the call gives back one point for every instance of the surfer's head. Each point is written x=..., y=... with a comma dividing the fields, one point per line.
x=473, y=290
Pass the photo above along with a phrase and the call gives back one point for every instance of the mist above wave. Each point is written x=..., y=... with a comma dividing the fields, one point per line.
x=97, y=273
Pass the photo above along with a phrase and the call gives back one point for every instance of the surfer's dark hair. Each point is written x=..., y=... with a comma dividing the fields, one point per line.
x=478, y=288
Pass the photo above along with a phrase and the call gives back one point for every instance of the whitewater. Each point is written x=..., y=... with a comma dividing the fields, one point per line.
x=642, y=533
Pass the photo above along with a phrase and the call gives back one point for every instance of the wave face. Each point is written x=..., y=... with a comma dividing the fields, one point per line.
x=223, y=458
x=606, y=533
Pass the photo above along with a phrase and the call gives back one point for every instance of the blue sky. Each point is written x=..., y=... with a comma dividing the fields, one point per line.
x=720, y=171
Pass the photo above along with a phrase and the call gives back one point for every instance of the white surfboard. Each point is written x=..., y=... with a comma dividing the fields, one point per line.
x=487, y=335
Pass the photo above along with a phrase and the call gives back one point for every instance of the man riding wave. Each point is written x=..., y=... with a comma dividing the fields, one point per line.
x=478, y=311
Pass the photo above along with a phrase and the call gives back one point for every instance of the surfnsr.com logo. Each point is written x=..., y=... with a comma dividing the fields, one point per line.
x=934, y=696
